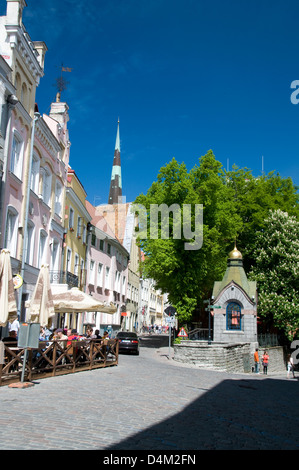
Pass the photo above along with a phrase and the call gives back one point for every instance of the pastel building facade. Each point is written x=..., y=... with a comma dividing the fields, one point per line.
x=106, y=272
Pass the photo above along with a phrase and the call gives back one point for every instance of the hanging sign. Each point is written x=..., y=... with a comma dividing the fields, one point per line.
x=17, y=281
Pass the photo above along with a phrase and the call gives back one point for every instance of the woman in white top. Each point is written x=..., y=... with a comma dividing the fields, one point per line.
x=290, y=366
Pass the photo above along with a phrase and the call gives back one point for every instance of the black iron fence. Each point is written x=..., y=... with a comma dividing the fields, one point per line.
x=64, y=277
x=201, y=334
x=268, y=340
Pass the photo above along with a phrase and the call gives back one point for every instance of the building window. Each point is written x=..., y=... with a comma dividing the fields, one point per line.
x=11, y=231
x=100, y=275
x=93, y=239
x=79, y=227
x=46, y=188
x=123, y=289
x=107, y=278
x=91, y=272
x=233, y=316
x=30, y=243
x=42, y=248
x=109, y=249
x=58, y=198
x=55, y=258
x=71, y=219
x=16, y=159
x=34, y=183
x=76, y=267
x=101, y=245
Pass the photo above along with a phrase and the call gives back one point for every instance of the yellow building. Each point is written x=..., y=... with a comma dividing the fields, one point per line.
x=76, y=230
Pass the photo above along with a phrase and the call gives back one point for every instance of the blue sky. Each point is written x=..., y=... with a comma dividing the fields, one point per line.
x=183, y=76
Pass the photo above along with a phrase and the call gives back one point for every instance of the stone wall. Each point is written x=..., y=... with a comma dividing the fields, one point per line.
x=235, y=357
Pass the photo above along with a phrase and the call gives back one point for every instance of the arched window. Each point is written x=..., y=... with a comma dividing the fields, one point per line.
x=233, y=316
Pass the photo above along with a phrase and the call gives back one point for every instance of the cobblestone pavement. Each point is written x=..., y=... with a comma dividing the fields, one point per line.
x=149, y=402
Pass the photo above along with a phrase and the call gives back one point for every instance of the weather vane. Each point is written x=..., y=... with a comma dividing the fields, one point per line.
x=61, y=83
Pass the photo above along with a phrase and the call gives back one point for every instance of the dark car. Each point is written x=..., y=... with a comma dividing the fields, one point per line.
x=128, y=342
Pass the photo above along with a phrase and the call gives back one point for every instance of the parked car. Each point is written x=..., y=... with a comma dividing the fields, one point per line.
x=128, y=341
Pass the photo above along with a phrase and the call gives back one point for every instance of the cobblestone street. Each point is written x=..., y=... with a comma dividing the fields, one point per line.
x=148, y=402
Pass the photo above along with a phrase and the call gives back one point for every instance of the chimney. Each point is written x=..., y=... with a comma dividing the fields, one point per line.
x=14, y=11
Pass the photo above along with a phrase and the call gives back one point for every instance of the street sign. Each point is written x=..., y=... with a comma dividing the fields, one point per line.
x=170, y=310
x=183, y=333
x=170, y=321
x=214, y=306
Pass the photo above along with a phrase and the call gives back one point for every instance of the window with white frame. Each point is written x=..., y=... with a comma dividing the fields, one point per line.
x=34, y=182
x=107, y=277
x=76, y=267
x=91, y=272
x=16, y=158
x=42, y=248
x=68, y=260
x=100, y=275
x=55, y=255
x=58, y=198
x=11, y=230
x=123, y=287
x=30, y=243
x=84, y=232
x=79, y=226
x=71, y=218
x=46, y=188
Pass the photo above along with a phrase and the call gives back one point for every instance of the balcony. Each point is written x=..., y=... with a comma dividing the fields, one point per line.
x=64, y=277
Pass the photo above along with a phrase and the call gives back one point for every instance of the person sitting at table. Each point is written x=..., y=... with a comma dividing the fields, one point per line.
x=72, y=335
x=44, y=334
x=89, y=334
x=11, y=338
x=61, y=338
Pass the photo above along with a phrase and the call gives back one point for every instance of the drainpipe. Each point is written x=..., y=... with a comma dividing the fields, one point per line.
x=24, y=249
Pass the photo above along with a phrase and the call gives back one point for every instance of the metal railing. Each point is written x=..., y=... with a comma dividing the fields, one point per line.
x=267, y=340
x=64, y=277
x=200, y=334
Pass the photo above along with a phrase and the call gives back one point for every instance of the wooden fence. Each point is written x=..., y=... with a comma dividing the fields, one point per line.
x=56, y=358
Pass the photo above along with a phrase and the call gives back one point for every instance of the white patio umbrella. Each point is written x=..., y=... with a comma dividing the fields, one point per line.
x=41, y=307
x=74, y=300
x=8, y=305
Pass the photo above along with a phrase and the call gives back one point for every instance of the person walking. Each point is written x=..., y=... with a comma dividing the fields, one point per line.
x=290, y=366
x=265, y=362
x=256, y=361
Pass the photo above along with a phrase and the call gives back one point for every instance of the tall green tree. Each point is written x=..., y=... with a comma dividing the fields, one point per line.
x=254, y=198
x=235, y=206
x=188, y=275
x=276, y=271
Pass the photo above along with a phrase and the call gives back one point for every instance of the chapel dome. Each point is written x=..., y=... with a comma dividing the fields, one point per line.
x=235, y=254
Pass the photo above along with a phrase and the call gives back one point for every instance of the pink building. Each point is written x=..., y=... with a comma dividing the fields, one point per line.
x=107, y=271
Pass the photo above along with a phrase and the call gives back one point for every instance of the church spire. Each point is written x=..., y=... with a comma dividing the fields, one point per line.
x=116, y=185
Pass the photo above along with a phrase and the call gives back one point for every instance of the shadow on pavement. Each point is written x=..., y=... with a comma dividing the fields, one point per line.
x=154, y=341
x=237, y=414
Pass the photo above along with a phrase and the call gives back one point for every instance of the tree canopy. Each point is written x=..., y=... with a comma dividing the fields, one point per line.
x=235, y=205
x=276, y=271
